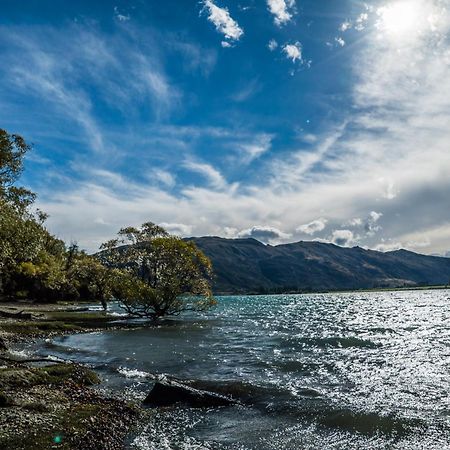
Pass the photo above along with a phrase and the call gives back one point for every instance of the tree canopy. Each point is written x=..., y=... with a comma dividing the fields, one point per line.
x=151, y=273
x=34, y=264
x=166, y=275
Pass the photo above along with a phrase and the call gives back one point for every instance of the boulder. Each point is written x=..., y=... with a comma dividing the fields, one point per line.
x=166, y=393
x=2, y=345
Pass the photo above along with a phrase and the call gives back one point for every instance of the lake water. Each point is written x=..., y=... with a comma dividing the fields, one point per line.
x=328, y=371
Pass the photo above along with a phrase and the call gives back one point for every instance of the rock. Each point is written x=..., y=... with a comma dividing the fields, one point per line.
x=5, y=400
x=166, y=393
x=2, y=345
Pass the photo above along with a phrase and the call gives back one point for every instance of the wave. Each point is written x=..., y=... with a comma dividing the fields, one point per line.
x=370, y=423
x=339, y=342
x=134, y=373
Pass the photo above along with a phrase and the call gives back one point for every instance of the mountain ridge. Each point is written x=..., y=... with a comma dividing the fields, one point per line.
x=246, y=266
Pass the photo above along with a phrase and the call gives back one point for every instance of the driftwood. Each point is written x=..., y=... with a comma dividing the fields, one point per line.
x=19, y=315
x=34, y=360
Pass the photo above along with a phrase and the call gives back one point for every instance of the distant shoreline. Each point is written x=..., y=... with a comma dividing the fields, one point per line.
x=338, y=291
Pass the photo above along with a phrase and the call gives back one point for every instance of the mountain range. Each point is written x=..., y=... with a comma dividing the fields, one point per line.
x=245, y=266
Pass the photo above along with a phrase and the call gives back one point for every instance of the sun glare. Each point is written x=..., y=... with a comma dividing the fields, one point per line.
x=400, y=18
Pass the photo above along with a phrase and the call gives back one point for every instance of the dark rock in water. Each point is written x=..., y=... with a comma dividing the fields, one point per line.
x=2, y=345
x=171, y=392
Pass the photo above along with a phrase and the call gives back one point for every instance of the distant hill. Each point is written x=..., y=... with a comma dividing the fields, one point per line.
x=248, y=266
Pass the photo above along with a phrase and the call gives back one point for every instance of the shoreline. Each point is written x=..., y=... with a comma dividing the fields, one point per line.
x=54, y=404
x=343, y=291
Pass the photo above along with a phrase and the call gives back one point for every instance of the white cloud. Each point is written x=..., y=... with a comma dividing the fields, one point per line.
x=423, y=243
x=225, y=44
x=223, y=22
x=343, y=238
x=355, y=222
x=162, y=176
x=178, y=229
x=361, y=21
x=388, y=246
x=391, y=153
x=230, y=232
x=214, y=177
x=56, y=66
x=371, y=226
x=282, y=10
x=120, y=17
x=250, y=88
x=253, y=150
x=272, y=45
x=293, y=51
x=264, y=234
x=345, y=26
x=312, y=227
x=375, y=216
x=339, y=41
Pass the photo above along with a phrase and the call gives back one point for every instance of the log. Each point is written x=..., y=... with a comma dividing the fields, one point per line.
x=35, y=360
x=19, y=315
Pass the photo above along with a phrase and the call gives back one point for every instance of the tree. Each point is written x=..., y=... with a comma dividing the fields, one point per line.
x=92, y=279
x=161, y=275
x=12, y=151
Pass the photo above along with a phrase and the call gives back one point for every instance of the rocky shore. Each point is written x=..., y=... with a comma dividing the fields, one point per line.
x=44, y=404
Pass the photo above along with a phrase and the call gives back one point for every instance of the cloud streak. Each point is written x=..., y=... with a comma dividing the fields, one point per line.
x=387, y=151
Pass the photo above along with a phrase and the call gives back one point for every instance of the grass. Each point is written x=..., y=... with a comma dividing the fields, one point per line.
x=51, y=321
x=37, y=327
x=75, y=421
x=14, y=377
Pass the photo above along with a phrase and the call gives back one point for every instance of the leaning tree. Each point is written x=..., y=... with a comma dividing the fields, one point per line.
x=157, y=274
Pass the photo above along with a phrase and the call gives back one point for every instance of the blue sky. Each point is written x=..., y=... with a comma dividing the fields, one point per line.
x=282, y=120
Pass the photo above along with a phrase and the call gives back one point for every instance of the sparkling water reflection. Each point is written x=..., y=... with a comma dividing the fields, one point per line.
x=329, y=371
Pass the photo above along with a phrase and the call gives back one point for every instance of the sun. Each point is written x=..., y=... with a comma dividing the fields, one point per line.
x=401, y=18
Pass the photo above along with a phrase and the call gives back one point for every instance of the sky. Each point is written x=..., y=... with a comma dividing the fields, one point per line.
x=281, y=120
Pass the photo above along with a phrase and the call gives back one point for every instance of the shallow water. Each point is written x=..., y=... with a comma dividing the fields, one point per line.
x=328, y=371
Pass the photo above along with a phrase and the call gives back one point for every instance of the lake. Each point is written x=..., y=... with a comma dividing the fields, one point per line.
x=325, y=371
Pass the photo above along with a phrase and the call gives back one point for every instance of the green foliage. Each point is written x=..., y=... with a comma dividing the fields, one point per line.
x=150, y=272
x=162, y=275
x=12, y=150
x=33, y=263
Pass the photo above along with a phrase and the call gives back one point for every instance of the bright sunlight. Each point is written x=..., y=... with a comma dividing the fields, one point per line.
x=401, y=19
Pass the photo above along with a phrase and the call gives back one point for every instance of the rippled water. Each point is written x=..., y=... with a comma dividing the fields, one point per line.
x=331, y=371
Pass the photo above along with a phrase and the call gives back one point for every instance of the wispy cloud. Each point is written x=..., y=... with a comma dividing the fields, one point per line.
x=253, y=150
x=272, y=45
x=60, y=68
x=247, y=91
x=214, y=177
x=119, y=16
x=387, y=151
